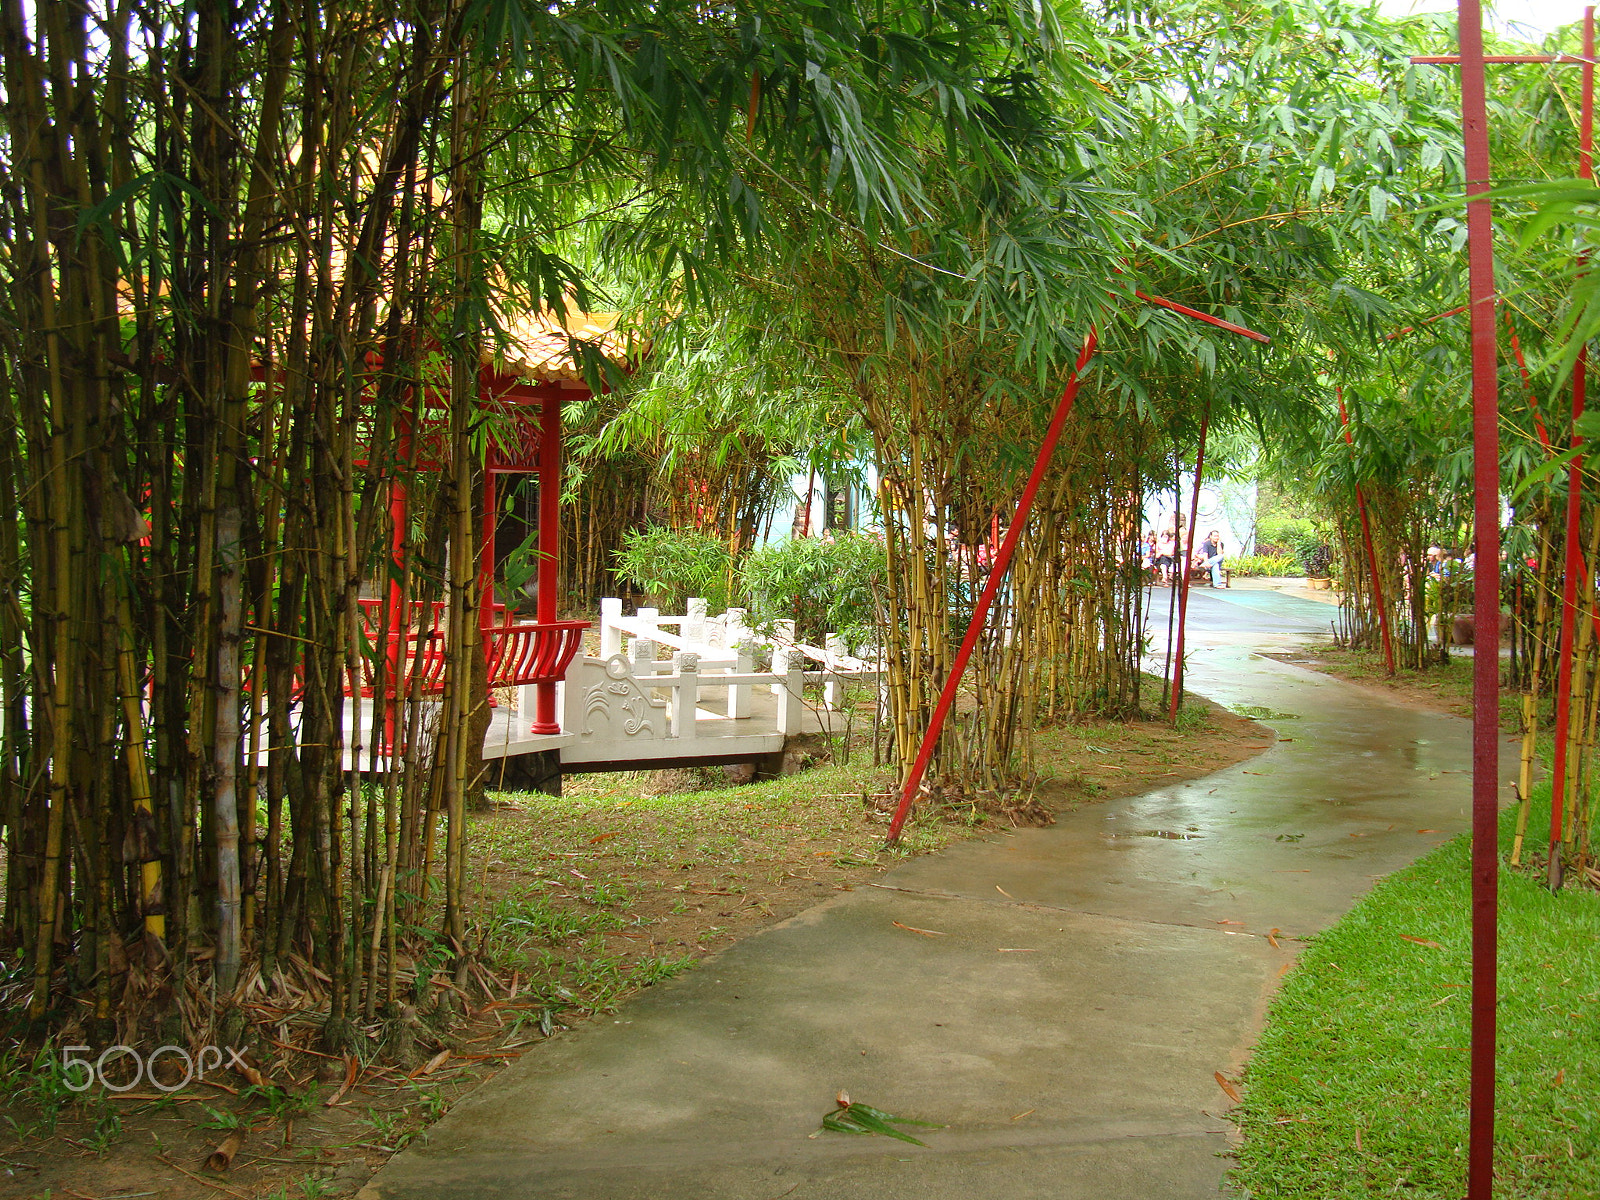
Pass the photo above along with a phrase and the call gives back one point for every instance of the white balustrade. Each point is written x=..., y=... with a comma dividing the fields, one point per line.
x=611, y=702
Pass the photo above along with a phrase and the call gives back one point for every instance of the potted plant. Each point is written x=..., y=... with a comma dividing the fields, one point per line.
x=1319, y=566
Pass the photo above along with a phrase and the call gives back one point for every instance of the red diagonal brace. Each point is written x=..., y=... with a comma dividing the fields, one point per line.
x=1008, y=545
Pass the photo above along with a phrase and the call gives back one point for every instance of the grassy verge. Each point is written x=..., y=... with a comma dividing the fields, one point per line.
x=1358, y=1086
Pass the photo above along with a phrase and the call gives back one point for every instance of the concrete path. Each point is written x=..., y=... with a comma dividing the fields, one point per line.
x=1086, y=982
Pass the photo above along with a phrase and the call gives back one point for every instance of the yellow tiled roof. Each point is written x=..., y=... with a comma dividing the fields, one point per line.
x=539, y=344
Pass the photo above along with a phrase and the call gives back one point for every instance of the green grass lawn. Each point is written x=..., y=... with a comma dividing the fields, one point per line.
x=1358, y=1086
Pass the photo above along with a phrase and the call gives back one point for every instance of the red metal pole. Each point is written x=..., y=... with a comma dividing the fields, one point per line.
x=980, y=612
x=1486, y=605
x=1366, y=536
x=1186, y=311
x=544, y=705
x=1400, y=333
x=1527, y=382
x=1188, y=558
x=1573, y=554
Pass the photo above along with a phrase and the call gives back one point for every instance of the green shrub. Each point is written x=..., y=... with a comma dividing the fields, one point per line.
x=674, y=564
x=826, y=584
x=1264, y=564
x=1283, y=535
x=1299, y=537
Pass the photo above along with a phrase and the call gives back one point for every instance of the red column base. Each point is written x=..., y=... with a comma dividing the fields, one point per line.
x=544, y=709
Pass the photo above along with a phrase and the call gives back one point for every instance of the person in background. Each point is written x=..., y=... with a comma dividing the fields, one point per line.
x=1210, y=556
x=1168, y=556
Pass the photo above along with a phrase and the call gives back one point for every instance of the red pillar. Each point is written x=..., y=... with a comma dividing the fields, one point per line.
x=400, y=520
x=398, y=617
x=544, y=712
x=1486, y=606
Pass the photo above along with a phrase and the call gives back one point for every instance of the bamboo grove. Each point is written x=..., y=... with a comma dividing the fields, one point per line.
x=258, y=255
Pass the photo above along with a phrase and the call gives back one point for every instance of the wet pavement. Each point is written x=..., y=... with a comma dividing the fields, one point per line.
x=1058, y=998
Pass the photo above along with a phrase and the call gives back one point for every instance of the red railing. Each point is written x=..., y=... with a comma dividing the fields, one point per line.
x=532, y=653
x=516, y=653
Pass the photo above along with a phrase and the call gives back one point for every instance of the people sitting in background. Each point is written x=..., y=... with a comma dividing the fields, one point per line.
x=1167, y=557
x=1210, y=556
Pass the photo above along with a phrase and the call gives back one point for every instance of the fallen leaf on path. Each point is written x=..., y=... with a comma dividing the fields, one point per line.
x=1254, y=772
x=1020, y=1115
x=1561, y=1077
x=1272, y=936
x=600, y=837
x=923, y=932
x=352, y=1068
x=1227, y=922
x=1017, y=949
x=1427, y=831
x=1228, y=1086
x=1420, y=941
x=852, y=1117
x=432, y=1065
x=1003, y=892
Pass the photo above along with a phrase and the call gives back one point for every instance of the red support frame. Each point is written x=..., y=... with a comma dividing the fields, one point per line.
x=1176, y=696
x=1486, y=583
x=1486, y=604
x=1366, y=536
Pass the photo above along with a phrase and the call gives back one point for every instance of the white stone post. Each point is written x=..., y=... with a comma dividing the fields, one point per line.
x=791, y=707
x=782, y=640
x=686, y=696
x=833, y=689
x=610, y=635
x=738, y=638
x=694, y=623
x=643, y=649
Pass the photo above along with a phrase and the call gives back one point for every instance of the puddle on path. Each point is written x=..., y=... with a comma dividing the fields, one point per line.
x=1257, y=712
x=1171, y=835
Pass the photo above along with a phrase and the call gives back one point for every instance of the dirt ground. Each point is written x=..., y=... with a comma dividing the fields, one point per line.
x=581, y=900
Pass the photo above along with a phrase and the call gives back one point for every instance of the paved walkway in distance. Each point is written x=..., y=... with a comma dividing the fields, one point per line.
x=1088, y=980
